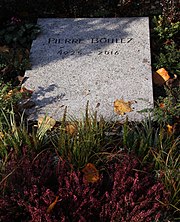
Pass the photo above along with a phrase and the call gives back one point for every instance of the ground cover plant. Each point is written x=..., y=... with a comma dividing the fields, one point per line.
x=122, y=192
x=89, y=170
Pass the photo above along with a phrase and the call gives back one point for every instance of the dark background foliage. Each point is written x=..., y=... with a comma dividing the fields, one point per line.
x=78, y=8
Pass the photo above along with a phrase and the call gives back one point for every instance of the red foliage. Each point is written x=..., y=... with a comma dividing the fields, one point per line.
x=124, y=192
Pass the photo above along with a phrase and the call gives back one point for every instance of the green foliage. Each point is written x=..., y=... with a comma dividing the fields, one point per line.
x=13, y=62
x=4, y=61
x=155, y=147
x=165, y=29
x=169, y=58
x=6, y=100
x=168, y=108
x=15, y=136
x=139, y=137
x=15, y=38
x=84, y=143
x=4, y=88
x=78, y=147
x=18, y=34
x=167, y=164
x=165, y=42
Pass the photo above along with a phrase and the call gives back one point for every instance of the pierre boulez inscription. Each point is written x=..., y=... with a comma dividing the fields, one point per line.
x=92, y=40
x=98, y=41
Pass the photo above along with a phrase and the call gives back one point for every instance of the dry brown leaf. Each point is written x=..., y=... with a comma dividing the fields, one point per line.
x=91, y=174
x=46, y=122
x=157, y=79
x=121, y=107
x=4, y=48
x=51, y=206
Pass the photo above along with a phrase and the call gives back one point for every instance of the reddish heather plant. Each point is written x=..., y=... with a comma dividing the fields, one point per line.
x=125, y=192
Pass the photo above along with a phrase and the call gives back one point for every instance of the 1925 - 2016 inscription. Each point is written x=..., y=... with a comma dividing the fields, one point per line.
x=80, y=52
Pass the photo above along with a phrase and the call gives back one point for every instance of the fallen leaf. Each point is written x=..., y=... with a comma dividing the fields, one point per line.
x=121, y=107
x=46, y=122
x=169, y=129
x=162, y=105
x=1, y=135
x=91, y=174
x=10, y=94
x=51, y=206
x=163, y=73
x=157, y=79
x=4, y=48
x=160, y=77
x=71, y=129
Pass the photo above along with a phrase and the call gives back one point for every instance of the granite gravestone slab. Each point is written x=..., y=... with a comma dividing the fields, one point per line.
x=90, y=59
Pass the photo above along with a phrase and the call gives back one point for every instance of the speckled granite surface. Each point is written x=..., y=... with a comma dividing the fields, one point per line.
x=91, y=59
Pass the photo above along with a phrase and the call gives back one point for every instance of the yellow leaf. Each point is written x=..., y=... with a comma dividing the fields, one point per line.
x=51, y=206
x=169, y=129
x=1, y=135
x=163, y=73
x=46, y=122
x=160, y=76
x=10, y=94
x=121, y=107
x=91, y=174
x=71, y=129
